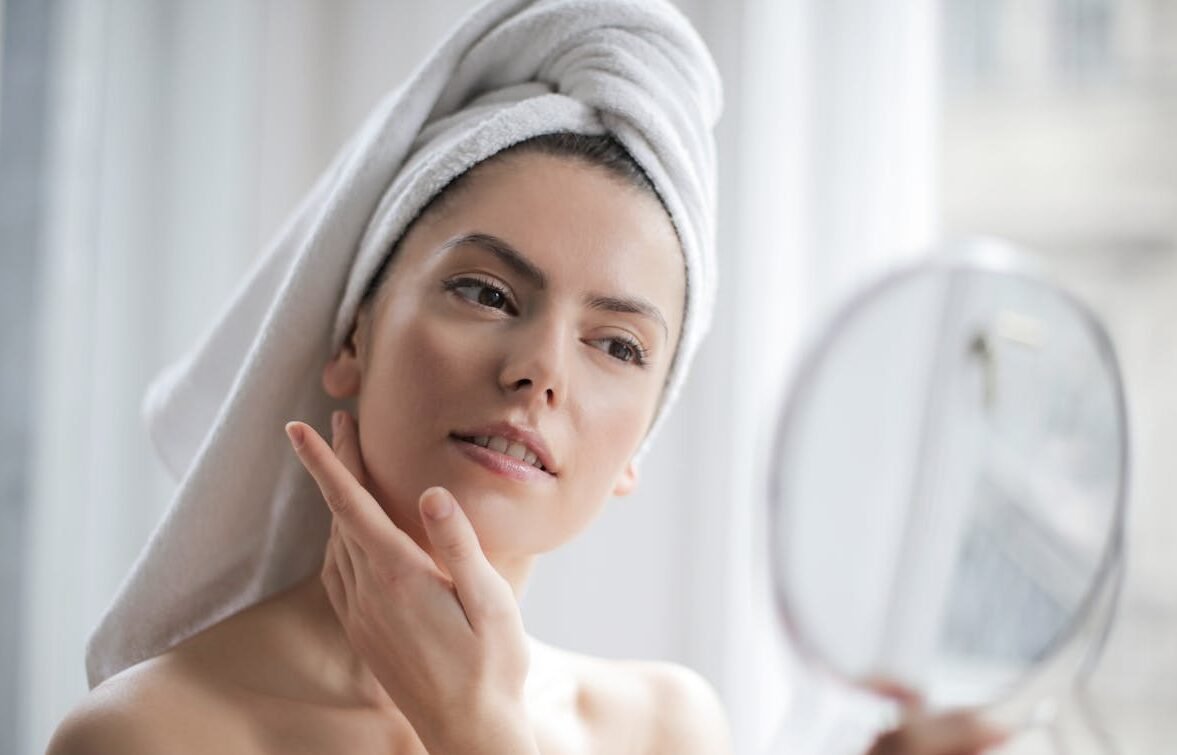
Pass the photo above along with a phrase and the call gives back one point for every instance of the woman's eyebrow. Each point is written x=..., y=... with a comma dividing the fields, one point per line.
x=628, y=304
x=515, y=259
x=508, y=254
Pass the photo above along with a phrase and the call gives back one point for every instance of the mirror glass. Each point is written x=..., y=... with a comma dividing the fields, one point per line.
x=948, y=481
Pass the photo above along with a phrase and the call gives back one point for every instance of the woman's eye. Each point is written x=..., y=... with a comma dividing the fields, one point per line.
x=491, y=297
x=625, y=350
x=483, y=293
x=622, y=351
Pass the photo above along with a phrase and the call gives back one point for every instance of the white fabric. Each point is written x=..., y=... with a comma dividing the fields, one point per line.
x=246, y=520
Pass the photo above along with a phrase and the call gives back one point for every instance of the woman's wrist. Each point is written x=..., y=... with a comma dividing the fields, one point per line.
x=502, y=729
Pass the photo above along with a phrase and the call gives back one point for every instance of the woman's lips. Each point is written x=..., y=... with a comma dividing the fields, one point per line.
x=507, y=466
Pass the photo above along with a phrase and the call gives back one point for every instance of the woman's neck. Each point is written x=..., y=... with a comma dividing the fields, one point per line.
x=337, y=666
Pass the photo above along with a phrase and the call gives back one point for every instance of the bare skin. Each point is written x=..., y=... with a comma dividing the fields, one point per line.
x=409, y=640
x=249, y=686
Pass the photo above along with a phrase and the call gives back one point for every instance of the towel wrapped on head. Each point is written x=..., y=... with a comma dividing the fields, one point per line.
x=246, y=520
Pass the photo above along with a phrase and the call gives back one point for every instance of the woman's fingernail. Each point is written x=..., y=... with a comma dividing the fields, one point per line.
x=295, y=432
x=438, y=504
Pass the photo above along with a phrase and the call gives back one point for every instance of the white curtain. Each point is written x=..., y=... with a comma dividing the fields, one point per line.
x=832, y=141
x=183, y=133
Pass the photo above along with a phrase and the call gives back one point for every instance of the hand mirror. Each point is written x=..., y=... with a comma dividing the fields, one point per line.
x=948, y=482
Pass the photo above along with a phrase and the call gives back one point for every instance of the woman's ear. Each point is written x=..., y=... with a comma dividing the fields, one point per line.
x=342, y=374
x=627, y=481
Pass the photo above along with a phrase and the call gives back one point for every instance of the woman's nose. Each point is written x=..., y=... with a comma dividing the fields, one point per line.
x=537, y=364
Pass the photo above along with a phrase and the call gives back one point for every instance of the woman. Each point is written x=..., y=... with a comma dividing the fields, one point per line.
x=506, y=274
x=540, y=303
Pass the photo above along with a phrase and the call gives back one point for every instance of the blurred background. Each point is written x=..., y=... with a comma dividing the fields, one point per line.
x=149, y=148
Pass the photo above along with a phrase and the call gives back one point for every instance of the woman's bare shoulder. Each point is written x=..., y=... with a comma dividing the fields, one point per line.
x=650, y=706
x=237, y=687
x=688, y=716
x=160, y=705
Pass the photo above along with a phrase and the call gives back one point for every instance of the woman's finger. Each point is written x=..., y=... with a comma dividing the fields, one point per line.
x=355, y=510
x=338, y=552
x=911, y=702
x=345, y=444
x=332, y=580
x=345, y=441
x=480, y=588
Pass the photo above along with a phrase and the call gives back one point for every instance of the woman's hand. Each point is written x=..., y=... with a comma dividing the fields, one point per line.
x=921, y=733
x=955, y=733
x=450, y=651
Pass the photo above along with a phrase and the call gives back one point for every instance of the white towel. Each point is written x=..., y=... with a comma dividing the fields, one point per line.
x=246, y=520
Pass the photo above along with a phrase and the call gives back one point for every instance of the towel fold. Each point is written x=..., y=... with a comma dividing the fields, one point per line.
x=246, y=520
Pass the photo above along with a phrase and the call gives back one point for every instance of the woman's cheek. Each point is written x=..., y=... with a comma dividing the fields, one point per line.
x=427, y=367
x=617, y=436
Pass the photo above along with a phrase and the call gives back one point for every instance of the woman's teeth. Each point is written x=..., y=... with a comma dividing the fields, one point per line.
x=504, y=446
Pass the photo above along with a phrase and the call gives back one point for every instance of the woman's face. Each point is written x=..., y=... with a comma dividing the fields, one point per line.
x=540, y=303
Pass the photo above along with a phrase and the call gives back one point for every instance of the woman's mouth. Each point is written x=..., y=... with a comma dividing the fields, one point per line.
x=504, y=457
x=504, y=446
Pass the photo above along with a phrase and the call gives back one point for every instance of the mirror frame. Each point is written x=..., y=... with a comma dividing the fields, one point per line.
x=978, y=254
